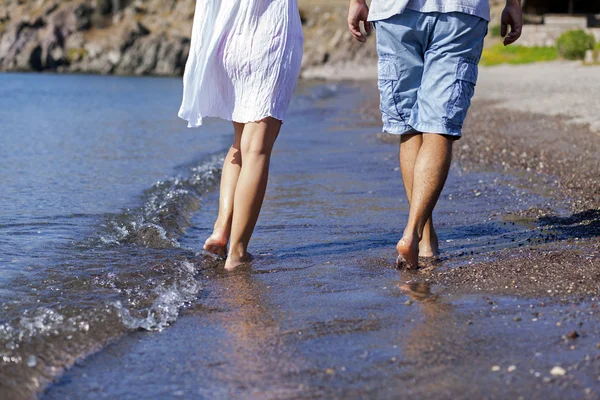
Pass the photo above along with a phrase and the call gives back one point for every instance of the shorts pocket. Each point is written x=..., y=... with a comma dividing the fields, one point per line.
x=389, y=76
x=463, y=90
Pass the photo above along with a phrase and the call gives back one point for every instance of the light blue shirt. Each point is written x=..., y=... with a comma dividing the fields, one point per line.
x=383, y=9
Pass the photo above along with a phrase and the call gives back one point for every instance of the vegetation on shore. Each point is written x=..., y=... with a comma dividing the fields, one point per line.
x=515, y=54
x=571, y=45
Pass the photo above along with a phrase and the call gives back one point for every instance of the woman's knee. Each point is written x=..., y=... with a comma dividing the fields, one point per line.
x=259, y=138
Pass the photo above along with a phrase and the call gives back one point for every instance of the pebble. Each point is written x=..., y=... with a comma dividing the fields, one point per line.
x=558, y=371
x=511, y=368
x=496, y=368
x=573, y=335
x=31, y=361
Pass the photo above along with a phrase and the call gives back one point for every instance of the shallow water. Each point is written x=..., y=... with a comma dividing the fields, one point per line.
x=320, y=313
x=100, y=229
x=90, y=168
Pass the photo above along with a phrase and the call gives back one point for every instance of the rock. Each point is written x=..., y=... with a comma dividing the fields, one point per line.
x=75, y=41
x=143, y=36
x=131, y=31
x=106, y=7
x=70, y=19
x=558, y=371
x=57, y=57
x=114, y=57
x=589, y=57
x=172, y=56
x=51, y=44
x=19, y=49
x=39, y=45
x=4, y=15
x=147, y=56
x=93, y=50
x=141, y=57
x=98, y=65
x=573, y=335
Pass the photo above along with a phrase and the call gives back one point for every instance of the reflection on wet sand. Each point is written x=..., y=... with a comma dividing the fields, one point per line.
x=258, y=360
x=437, y=341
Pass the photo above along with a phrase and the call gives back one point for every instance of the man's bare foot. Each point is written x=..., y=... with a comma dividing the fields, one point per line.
x=234, y=262
x=429, y=246
x=408, y=253
x=217, y=244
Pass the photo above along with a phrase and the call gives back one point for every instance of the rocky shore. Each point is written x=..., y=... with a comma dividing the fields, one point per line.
x=95, y=36
x=141, y=37
x=152, y=37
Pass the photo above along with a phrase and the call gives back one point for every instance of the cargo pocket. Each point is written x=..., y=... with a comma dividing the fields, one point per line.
x=462, y=92
x=389, y=75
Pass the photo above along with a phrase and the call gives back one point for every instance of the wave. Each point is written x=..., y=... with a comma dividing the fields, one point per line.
x=167, y=209
x=132, y=274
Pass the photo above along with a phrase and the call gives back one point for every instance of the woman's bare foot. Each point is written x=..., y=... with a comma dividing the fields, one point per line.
x=408, y=253
x=217, y=243
x=429, y=246
x=234, y=262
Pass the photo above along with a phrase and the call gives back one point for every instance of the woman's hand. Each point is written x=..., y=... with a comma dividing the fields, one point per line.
x=357, y=12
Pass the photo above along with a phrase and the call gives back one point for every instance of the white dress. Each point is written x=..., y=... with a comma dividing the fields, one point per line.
x=244, y=60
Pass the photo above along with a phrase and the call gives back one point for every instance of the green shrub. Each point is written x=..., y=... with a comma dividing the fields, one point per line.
x=572, y=45
x=76, y=54
x=495, y=31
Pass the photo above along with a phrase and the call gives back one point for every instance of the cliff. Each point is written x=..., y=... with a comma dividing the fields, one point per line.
x=148, y=37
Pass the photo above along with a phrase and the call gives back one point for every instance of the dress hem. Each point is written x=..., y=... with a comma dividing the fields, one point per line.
x=229, y=118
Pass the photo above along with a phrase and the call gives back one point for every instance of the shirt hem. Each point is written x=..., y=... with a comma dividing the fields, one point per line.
x=443, y=10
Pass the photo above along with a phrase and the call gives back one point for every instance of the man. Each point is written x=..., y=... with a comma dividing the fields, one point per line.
x=428, y=54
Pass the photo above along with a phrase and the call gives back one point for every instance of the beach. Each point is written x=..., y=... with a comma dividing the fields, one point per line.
x=509, y=311
x=105, y=290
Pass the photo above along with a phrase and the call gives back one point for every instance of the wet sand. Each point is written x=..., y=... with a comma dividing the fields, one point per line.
x=510, y=311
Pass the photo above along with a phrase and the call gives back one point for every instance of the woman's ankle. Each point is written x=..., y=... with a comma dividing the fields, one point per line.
x=221, y=228
x=238, y=251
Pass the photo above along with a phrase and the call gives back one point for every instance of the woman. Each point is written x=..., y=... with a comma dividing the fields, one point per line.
x=243, y=66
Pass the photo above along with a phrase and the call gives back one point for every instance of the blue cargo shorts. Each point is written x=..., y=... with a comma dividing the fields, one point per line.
x=428, y=70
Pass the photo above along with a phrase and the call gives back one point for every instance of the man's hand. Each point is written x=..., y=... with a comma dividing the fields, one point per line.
x=358, y=12
x=511, y=15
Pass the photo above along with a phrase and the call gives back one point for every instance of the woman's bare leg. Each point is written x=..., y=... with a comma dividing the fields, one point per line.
x=217, y=242
x=257, y=143
x=409, y=149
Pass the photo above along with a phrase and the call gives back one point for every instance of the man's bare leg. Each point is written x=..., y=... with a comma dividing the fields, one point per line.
x=409, y=149
x=257, y=143
x=430, y=172
x=217, y=242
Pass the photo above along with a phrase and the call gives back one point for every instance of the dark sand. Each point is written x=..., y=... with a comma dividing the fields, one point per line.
x=323, y=313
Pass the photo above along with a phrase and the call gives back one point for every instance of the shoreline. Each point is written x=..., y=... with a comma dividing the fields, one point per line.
x=480, y=324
